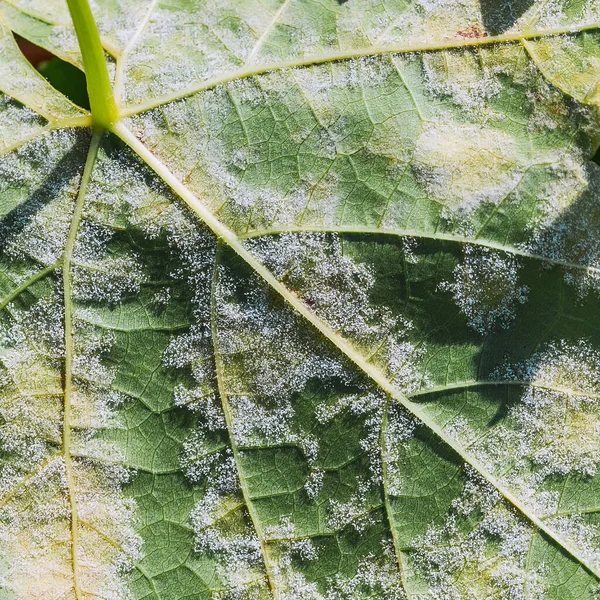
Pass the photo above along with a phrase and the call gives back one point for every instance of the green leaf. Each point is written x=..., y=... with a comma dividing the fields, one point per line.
x=67, y=79
x=316, y=317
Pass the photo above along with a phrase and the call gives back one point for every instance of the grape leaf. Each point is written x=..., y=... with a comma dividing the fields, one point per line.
x=316, y=316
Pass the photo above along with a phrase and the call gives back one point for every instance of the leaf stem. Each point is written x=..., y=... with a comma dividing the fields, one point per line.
x=102, y=100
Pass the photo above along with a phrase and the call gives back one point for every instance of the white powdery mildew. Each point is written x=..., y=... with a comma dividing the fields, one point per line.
x=35, y=535
x=375, y=575
x=555, y=13
x=464, y=165
x=287, y=361
x=228, y=174
x=35, y=495
x=551, y=433
x=555, y=425
x=37, y=160
x=98, y=275
x=193, y=349
x=221, y=524
x=119, y=22
x=289, y=581
x=486, y=288
x=31, y=350
x=39, y=183
x=459, y=76
x=121, y=185
x=569, y=176
x=425, y=21
x=337, y=288
x=216, y=169
x=400, y=428
x=268, y=359
x=479, y=551
x=279, y=357
x=579, y=533
x=16, y=122
x=202, y=458
x=368, y=407
x=356, y=512
x=569, y=229
x=256, y=423
x=199, y=43
x=223, y=529
x=378, y=575
x=109, y=545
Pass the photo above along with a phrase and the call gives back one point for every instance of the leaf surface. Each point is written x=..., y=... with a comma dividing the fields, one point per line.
x=317, y=318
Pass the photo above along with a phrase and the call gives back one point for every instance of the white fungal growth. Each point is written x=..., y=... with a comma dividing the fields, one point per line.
x=30, y=523
x=106, y=511
x=200, y=460
x=551, y=433
x=459, y=76
x=580, y=534
x=110, y=280
x=17, y=122
x=569, y=176
x=337, y=288
x=31, y=347
x=557, y=421
x=99, y=275
x=479, y=551
x=92, y=344
x=122, y=187
x=207, y=405
x=378, y=575
x=223, y=528
x=356, y=512
x=464, y=166
x=38, y=184
x=314, y=483
x=333, y=283
x=486, y=288
x=278, y=355
x=369, y=405
x=375, y=575
x=291, y=553
x=400, y=428
x=255, y=424
x=36, y=500
x=35, y=527
x=568, y=229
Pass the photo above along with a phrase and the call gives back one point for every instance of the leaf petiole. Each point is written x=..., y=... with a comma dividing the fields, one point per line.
x=102, y=101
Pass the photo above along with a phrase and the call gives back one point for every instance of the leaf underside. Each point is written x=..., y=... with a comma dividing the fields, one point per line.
x=319, y=319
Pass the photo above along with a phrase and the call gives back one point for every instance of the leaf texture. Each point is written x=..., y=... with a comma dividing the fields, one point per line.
x=317, y=319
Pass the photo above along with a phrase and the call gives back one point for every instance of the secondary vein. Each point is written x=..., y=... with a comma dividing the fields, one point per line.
x=229, y=422
x=69, y=353
x=433, y=235
x=340, y=55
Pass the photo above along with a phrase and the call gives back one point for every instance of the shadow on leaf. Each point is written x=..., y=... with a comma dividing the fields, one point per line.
x=500, y=15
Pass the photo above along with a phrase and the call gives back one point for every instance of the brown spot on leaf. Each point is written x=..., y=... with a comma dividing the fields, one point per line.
x=473, y=32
